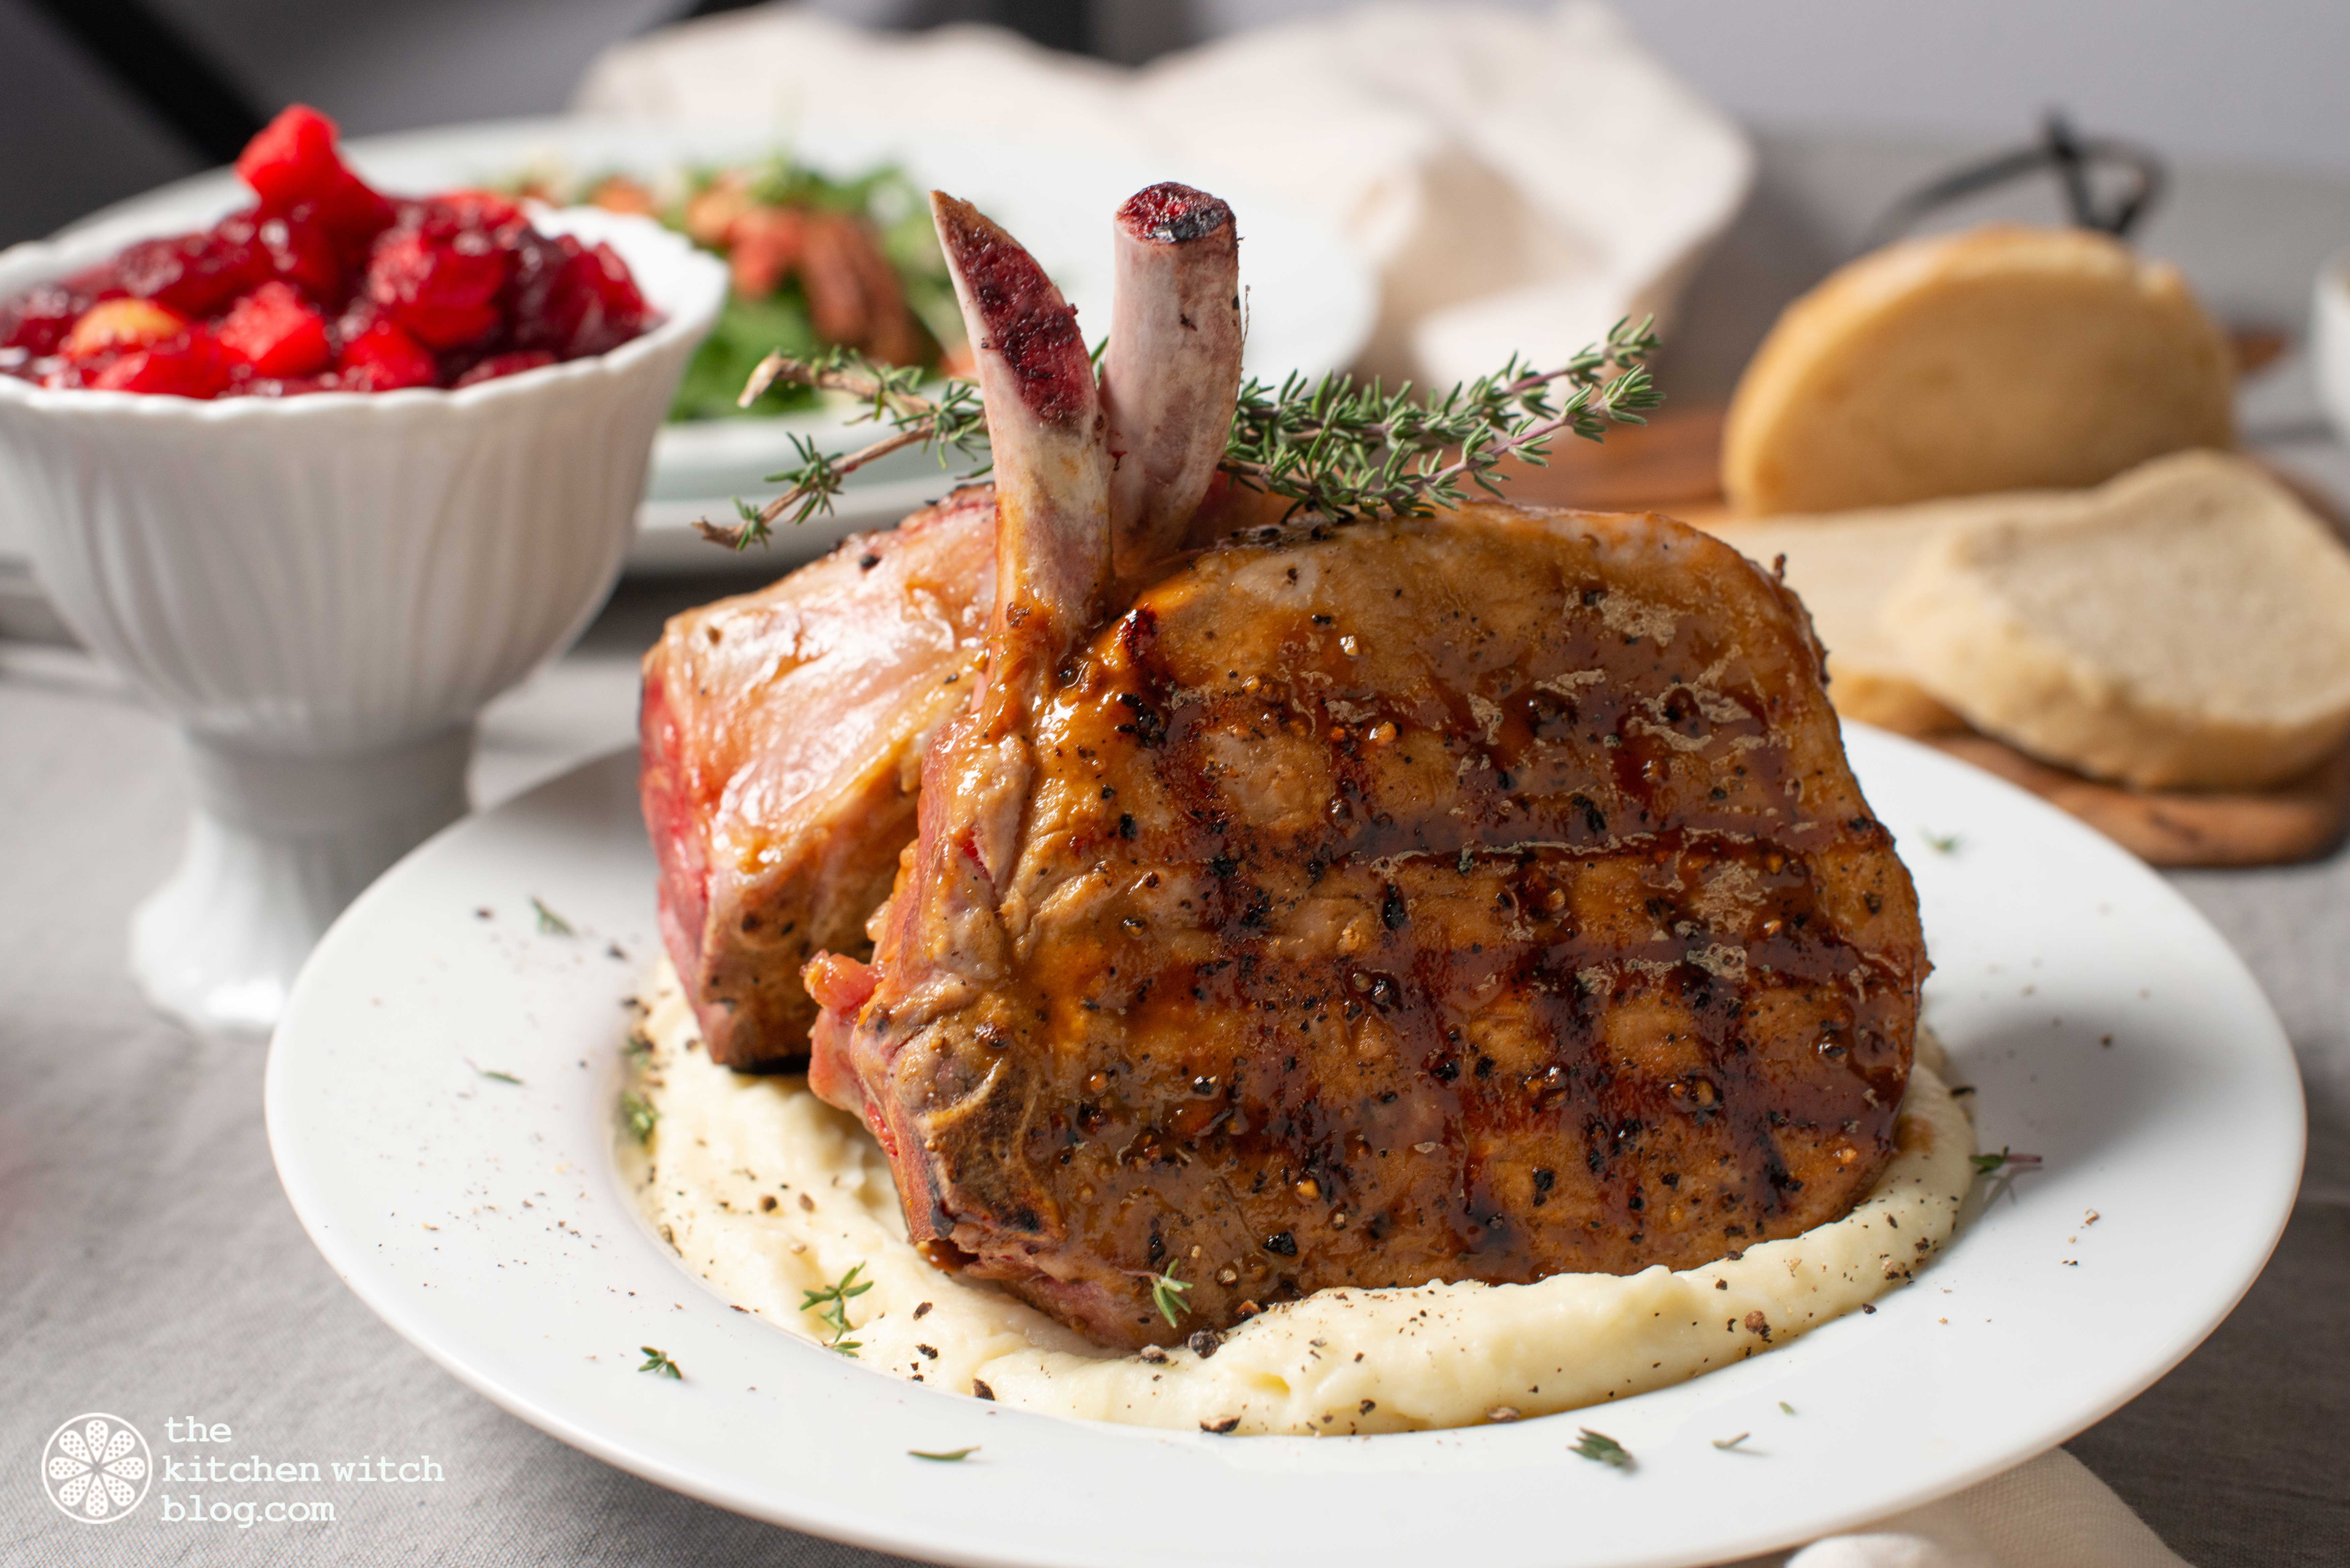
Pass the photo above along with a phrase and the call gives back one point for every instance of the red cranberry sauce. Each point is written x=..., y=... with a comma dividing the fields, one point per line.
x=326, y=284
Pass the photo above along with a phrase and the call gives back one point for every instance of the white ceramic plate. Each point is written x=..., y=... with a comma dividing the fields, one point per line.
x=1311, y=298
x=485, y=1221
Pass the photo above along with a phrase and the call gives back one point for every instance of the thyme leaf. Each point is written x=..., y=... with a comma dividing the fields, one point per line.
x=2003, y=1168
x=549, y=921
x=830, y=1305
x=1941, y=842
x=1341, y=449
x=1605, y=1449
x=1167, y=1294
x=1332, y=447
x=1785, y=1408
x=639, y=1113
x=953, y=421
x=491, y=1072
x=657, y=1363
x=948, y=1457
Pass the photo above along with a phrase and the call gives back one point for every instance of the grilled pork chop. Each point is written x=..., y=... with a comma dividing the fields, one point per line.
x=1483, y=898
x=783, y=732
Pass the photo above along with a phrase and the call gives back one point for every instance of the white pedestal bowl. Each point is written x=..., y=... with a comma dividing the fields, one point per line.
x=323, y=592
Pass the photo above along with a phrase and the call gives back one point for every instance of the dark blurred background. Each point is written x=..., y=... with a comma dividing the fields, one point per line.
x=106, y=97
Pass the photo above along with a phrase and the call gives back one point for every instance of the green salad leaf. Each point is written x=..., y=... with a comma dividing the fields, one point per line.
x=749, y=330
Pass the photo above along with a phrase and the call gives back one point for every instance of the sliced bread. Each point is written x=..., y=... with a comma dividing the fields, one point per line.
x=1844, y=567
x=2184, y=626
x=2001, y=359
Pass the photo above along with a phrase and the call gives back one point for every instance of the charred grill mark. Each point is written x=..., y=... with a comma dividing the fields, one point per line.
x=1149, y=725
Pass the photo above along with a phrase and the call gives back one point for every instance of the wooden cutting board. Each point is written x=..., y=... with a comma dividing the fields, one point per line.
x=2297, y=821
x=1672, y=465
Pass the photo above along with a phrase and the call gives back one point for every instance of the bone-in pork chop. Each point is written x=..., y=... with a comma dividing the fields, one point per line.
x=1482, y=897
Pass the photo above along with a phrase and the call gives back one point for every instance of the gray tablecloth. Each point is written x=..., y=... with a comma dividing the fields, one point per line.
x=151, y=1268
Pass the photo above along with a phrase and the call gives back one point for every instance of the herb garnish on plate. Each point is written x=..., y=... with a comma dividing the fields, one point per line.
x=1167, y=1293
x=1605, y=1449
x=830, y=1305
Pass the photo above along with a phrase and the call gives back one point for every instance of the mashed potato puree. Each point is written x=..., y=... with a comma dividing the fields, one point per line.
x=766, y=1192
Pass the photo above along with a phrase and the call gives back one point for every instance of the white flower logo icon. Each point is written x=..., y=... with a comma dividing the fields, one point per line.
x=95, y=1467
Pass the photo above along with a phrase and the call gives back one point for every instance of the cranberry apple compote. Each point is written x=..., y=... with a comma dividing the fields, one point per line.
x=326, y=284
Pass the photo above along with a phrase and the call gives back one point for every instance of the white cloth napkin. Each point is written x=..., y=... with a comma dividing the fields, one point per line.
x=2048, y=1512
x=1518, y=181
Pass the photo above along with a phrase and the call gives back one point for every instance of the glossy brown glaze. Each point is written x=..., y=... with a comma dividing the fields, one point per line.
x=1484, y=898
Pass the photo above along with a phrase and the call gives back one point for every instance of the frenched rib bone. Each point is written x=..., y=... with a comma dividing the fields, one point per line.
x=1173, y=372
x=945, y=925
x=946, y=933
x=1045, y=422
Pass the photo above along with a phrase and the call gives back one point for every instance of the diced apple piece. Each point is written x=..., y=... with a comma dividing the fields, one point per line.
x=114, y=326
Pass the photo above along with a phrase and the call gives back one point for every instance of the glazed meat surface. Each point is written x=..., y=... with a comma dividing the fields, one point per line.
x=781, y=735
x=1479, y=899
x=1484, y=897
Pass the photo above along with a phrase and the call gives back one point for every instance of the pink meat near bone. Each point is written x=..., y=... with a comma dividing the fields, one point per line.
x=780, y=735
x=783, y=732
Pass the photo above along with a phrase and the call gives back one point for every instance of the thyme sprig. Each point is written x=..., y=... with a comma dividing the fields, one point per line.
x=954, y=420
x=2002, y=1168
x=830, y=1305
x=1605, y=1449
x=657, y=1363
x=1332, y=447
x=1167, y=1293
x=638, y=1115
x=1341, y=449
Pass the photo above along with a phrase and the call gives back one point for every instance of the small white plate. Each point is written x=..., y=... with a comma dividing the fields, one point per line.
x=2105, y=1027
x=1311, y=298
